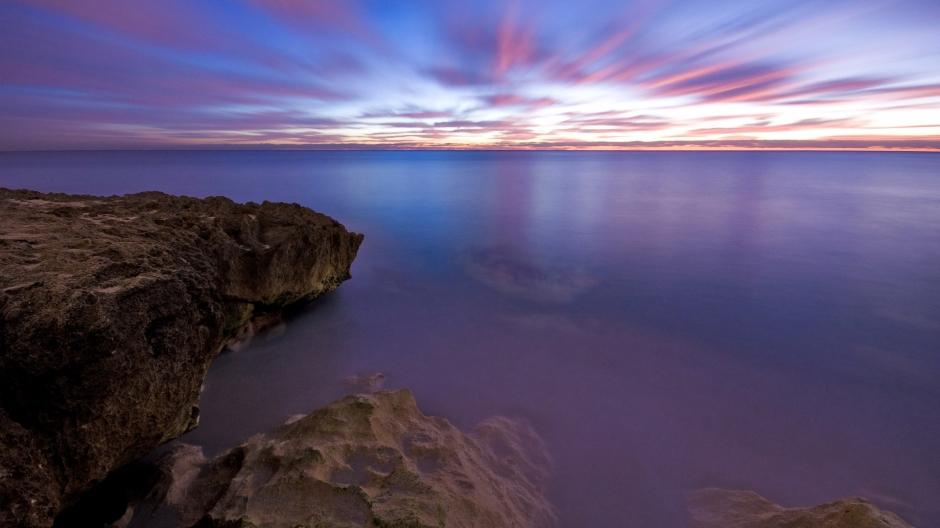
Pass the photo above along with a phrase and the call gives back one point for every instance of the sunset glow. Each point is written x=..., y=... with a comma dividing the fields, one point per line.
x=447, y=74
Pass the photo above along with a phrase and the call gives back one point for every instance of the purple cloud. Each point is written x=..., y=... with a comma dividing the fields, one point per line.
x=517, y=74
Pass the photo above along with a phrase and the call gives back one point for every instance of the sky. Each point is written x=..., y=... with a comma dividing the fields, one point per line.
x=412, y=74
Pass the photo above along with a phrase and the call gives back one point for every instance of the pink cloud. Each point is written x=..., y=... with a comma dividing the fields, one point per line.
x=514, y=41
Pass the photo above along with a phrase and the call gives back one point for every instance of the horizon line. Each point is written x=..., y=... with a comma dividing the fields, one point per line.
x=403, y=148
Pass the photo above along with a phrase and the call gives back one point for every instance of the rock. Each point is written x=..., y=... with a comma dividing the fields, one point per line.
x=111, y=310
x=718, y=508
x=366, y=382
x=509, y=273
x=364, y=461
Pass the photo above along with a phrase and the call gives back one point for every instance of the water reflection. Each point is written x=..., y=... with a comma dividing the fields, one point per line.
x=766, y=321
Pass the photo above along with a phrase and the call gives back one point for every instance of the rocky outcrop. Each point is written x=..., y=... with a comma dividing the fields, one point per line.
x=111, y=310
x=719, y=508
x=364, y=461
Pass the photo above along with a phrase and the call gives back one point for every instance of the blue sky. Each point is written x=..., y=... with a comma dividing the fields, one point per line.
x=482, y=74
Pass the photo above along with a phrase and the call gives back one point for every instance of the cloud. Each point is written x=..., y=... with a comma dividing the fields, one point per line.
x=615, y=120
x=409, y=114
x=528, y=103
x=764, y=127
x=446, y=74
x=514, y=42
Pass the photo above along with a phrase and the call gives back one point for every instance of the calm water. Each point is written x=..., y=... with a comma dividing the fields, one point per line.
x=668, y=321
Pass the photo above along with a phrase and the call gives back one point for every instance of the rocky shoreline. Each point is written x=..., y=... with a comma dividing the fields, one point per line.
x=112, y=309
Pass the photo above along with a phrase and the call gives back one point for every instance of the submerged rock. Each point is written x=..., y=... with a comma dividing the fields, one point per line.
x=512, y=274
x=111, y=310
x=719, y=508
x=366, y=382
x=364, y=461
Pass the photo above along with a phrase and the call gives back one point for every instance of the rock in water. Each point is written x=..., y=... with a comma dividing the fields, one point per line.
x=719, y=508
x=111, y=310
x=364, y=461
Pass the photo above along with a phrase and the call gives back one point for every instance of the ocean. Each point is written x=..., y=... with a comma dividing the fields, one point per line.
x=666, y=320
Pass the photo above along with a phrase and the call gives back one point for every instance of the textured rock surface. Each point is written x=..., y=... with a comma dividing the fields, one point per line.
x=366, y=460
x=718, y=508
x=111, y=310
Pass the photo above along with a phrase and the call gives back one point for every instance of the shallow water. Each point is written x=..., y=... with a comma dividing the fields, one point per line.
x=667, y=321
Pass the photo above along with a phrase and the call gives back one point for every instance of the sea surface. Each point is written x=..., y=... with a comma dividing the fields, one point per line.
x=666, y=320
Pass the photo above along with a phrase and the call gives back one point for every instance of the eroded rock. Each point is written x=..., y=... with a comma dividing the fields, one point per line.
x=719, y=508
x=364, y=461
x=111, y=310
